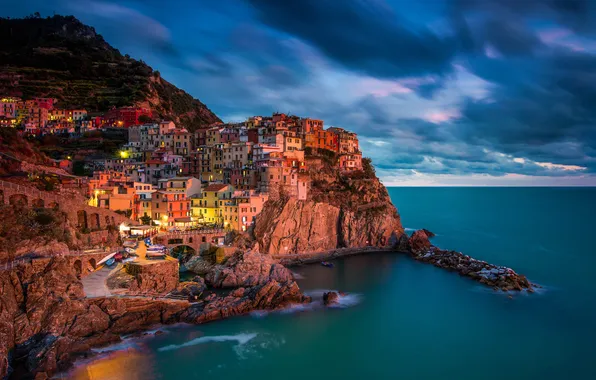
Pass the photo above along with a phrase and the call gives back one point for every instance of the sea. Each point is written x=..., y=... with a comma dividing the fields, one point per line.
x=402, y=319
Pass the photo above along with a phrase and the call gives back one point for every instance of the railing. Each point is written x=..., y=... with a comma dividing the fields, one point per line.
x=194, y=232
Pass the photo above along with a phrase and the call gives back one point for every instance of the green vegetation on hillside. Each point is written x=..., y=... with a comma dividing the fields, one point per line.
x=62, y=58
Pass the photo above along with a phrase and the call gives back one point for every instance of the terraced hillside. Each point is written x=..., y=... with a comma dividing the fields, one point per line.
x=62, y=58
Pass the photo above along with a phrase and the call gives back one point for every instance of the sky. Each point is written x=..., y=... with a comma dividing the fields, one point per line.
x=440, y=92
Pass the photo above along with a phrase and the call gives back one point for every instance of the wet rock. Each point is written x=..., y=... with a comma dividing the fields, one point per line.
x=191, y=288
x=269, y=296
x=497, y=277
x=199, y=265
x=330, y=298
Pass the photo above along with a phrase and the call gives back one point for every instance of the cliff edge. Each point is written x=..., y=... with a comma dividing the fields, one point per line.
x=342, y=210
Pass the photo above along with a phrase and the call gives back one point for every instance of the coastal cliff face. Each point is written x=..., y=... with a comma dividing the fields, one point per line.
x=343, y=211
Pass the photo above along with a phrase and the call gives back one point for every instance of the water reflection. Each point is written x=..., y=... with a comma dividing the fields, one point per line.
x=131, y=364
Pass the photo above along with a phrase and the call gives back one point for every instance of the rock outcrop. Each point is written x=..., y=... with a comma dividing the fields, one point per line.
x=199, y=265
x=343, y=210
x=156, y=278
x=269, y=296
x=46, y=322
x=330, y=298
x=497, y=277
x=247, y=269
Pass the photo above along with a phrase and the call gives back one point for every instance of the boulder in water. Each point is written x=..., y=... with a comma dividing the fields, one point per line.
x=330, y=298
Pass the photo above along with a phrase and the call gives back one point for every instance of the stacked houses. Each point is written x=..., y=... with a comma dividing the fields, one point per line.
x=221, y=175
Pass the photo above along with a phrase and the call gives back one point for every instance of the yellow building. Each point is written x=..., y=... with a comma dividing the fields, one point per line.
x=208, y=208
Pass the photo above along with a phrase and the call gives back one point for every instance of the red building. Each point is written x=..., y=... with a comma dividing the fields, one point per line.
x=126, y=116
x=47, y=103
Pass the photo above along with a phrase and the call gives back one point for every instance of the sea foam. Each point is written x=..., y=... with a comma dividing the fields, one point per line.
x=241, y=339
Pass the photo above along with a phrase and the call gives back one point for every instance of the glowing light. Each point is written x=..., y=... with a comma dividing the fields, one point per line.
x=123, y=154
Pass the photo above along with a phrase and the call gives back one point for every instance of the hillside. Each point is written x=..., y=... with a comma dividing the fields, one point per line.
x=62, y=58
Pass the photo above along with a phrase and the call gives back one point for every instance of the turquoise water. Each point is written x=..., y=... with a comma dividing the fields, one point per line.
x=408, y=320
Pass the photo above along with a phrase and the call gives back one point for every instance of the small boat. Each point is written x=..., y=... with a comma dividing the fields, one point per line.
x=118, y=257
x=327, y=264
x=156, y=252
x=130, y=251
x=110, y=262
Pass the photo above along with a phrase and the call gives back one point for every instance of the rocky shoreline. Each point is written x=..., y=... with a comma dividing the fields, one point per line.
x=47, y=323
x=497, y=277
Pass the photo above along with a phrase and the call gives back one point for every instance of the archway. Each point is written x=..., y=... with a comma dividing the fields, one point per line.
x=38, y=203
x=93, y=263
x=181, y=251
x=18, y=200
x=82, y=219
x=78, y=267
x=94, y=221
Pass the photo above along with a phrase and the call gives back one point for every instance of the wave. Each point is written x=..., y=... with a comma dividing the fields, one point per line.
x=241, y=339
x=344, y=301
x=297, y=276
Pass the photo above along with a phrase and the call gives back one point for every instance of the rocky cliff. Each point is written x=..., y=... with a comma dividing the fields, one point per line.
x=343, y=210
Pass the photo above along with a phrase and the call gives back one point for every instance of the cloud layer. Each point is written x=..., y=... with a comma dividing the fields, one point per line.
x=442, y=92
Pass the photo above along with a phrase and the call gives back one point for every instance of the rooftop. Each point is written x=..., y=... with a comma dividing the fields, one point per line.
x=216, y=187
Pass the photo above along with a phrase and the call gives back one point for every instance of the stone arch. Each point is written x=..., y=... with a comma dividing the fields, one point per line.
x=182, y=250
x=38, y=203
x=82, y=219
x=19, y=200
x=93, y=263
x=78, y=267
x=94, y=221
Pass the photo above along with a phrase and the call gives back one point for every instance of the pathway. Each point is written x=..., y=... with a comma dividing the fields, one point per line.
x=95, y=285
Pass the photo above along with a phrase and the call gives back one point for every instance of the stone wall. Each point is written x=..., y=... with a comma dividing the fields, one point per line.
x=82, y=263
x=79, y=213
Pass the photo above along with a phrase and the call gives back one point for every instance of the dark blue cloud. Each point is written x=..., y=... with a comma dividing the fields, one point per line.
x=316, y=57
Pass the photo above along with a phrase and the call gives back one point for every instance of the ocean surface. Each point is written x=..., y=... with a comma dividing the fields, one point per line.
x=408, y=320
